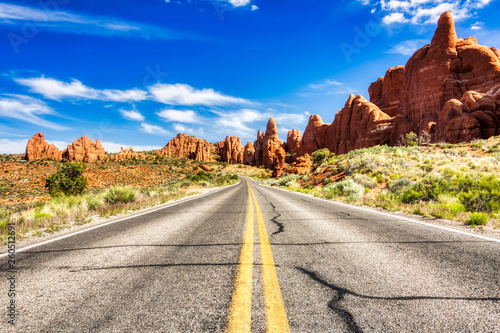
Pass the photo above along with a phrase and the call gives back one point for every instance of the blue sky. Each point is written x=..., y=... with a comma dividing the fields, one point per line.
x=136, y=73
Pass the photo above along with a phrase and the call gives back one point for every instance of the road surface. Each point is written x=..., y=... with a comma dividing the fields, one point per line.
x=255, y=258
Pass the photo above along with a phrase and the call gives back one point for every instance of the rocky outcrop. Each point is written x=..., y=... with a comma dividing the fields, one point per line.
x=84, y=149
x=189, y=147
x=37, y=148
x=249, y=154
x=315, y=136
x=360, y=124
x=293, y=142
x=440, y=72
x=125, y=154
x=386, y=91
x=268, y=149
x=302, y=165
x=230, y=150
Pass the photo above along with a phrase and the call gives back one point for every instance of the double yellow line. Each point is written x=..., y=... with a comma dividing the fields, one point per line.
x=240, y=312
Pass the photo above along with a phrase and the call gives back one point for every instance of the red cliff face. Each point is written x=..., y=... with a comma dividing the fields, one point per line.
x=230, y=150
x=84, y=149
x=386, y=91
x=314, y=137
x=37, y=148
x=444, y=70
x=189, y=147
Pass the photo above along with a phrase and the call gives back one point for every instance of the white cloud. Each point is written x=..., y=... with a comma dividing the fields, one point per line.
x=54, y=89
x=67, y=22
x=181, y=116
x=112, y=147
x=477, y=26
x=27, y=109
x=239, y=3
x=180, y=128
x=423, y=11
x=17, y=146
x=325, y=84
x=153, y=129
x=183, y=94
x=408, y=47
x=254, y=8
x=132, y=115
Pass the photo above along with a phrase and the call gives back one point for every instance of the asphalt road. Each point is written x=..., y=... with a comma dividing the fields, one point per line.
x=205, y=265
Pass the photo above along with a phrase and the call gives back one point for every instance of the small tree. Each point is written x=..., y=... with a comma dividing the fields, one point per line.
x=320, y=156
x=68, y=180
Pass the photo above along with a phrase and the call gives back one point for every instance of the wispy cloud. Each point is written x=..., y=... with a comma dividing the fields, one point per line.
x=183, y=94
x=27, y=109
x=408, y=47
x=57, y=90
x=68, y=22
x=180, y=116
x=325, y=88
x=423, y=11
x=153, y=129
x=132, y=115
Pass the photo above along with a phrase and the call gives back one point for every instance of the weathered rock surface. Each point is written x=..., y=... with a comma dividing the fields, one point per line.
x=249, y=154
x=189, y=147
x=302, y=165
x=37, y=148
x=293, y=141
x=84, y=149
x=230, y=150
x=126, y=153
x=268, y=149
x=360, y=124
x=440, y=72
x=386, y=91
x=314, y=137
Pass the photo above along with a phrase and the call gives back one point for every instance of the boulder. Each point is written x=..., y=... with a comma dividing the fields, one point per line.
x=37, y=148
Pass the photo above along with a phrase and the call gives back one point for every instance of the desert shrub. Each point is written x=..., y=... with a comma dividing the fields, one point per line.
x=120, y=194
x=93, y=201
x=397, y=185
x=364, y=180
x=450, y=203
x=68, y=180
x=289, y=180
x=477, y=219
x=346, y=187
x=320, y=156
x=410, y=139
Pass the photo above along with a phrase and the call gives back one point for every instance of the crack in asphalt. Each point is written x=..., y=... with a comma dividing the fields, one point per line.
x=281, y=226
x=348, y=317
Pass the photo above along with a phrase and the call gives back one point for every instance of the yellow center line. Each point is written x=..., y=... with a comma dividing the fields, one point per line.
x=240, y=313
x=276, y=319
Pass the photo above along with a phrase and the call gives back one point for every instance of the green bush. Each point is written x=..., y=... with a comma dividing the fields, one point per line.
x=320, y=156
x=478, y=219
x=346, y=187
x=68, y=180
x=120, y=194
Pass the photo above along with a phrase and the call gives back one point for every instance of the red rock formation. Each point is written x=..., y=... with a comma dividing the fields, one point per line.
x=249, y=154
x=293, y=141
x=37, y=148
x=314, y=137
x=442, y=71
x=230, y=150
x=268, y=149
x=386, y=91
x=187, y=146
x=84, y=149
x=126, y=153
x=360, y=124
